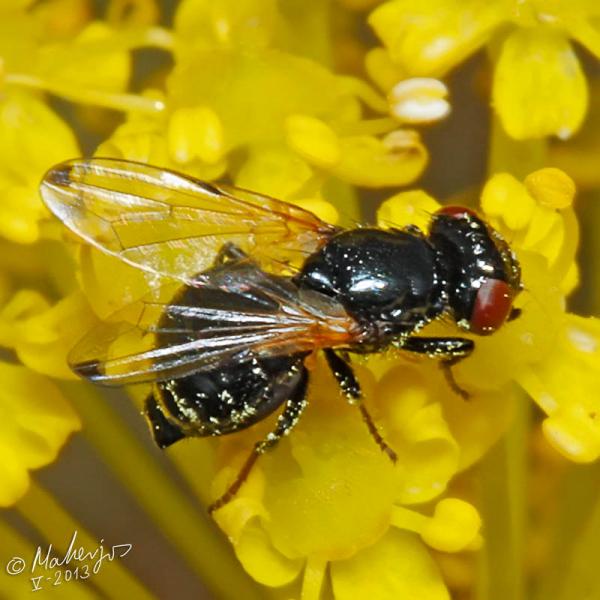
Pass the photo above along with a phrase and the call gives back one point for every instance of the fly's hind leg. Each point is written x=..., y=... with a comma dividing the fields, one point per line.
x=346, y=379
x=292, y=411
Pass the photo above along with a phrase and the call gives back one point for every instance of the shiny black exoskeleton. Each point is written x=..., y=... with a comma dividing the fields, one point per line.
x=392, y=282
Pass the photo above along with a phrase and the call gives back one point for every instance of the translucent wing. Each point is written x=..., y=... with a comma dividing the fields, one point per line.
x=171, y=224
x=239, y=312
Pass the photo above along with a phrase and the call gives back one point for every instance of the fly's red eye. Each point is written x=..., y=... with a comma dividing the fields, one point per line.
x=492, y=306
x=458, y=212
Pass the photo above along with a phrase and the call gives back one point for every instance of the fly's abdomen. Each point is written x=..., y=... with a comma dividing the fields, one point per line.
x=223, y=400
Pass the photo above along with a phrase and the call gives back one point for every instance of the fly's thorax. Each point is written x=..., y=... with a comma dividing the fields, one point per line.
x=388, y=280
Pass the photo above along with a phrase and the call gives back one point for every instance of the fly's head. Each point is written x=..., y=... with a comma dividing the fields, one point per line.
x=483, y=274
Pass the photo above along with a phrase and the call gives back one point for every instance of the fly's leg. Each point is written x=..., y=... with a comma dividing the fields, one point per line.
x=344, y=375
x=286, y=421
x=347, y=381
x=450, y=350
x=229, y=251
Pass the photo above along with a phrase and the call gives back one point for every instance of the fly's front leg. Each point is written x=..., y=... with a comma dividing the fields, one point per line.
x=450, y=350
x=292, y=411
x=346, y=379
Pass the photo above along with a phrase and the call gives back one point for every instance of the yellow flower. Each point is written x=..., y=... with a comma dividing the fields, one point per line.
x=539, y=87
x=237, y=90
x=256, y=95
x=43, y=335
x=32, y=139
x=328, y=495
x=53, y=47
x=35, y=422
x=36, y=418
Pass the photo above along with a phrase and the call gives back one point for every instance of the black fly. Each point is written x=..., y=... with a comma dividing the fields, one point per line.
x=262, y=284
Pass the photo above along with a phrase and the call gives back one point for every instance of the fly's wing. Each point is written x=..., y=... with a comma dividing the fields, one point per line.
x=239, y=313
x=173, y=225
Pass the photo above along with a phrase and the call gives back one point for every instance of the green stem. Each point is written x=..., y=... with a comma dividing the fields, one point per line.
x=14, y=545
x=572, y=570
x=57, y=526
x=503, y=480
x=503, y=473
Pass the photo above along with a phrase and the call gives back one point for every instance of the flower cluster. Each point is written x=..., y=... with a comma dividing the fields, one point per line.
x=328, y=495
x=254, y=96
x=55, y=47
x=539, y=87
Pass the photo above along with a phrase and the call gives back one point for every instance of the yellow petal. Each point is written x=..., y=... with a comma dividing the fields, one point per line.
x=571, y=280
x=47, y=338
x=476, y=426
x=195, y=132
x=32, y=137
x=22, y=306
x=274, y=171
x=313, y=139
x=93, y=61
x=262, y=562
x=551, y=187
x=368, y=161
x=331, y=475
x=454, y=526
x=381, y=69
x=583, y=28
x=246, y=23
x=427, y=453
x=261, y=92
x=542, y=221
x=143, y=140
x=566, y=385
x=20, y=211
x=505, y=197
x=108, y=283
x=528, y=339
x=398, y=566
x=132, y=12
x=407, y=208
x=539, y=87
x=324, y=210
x=35, y=421
x=428, y=38
x=62, y=18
